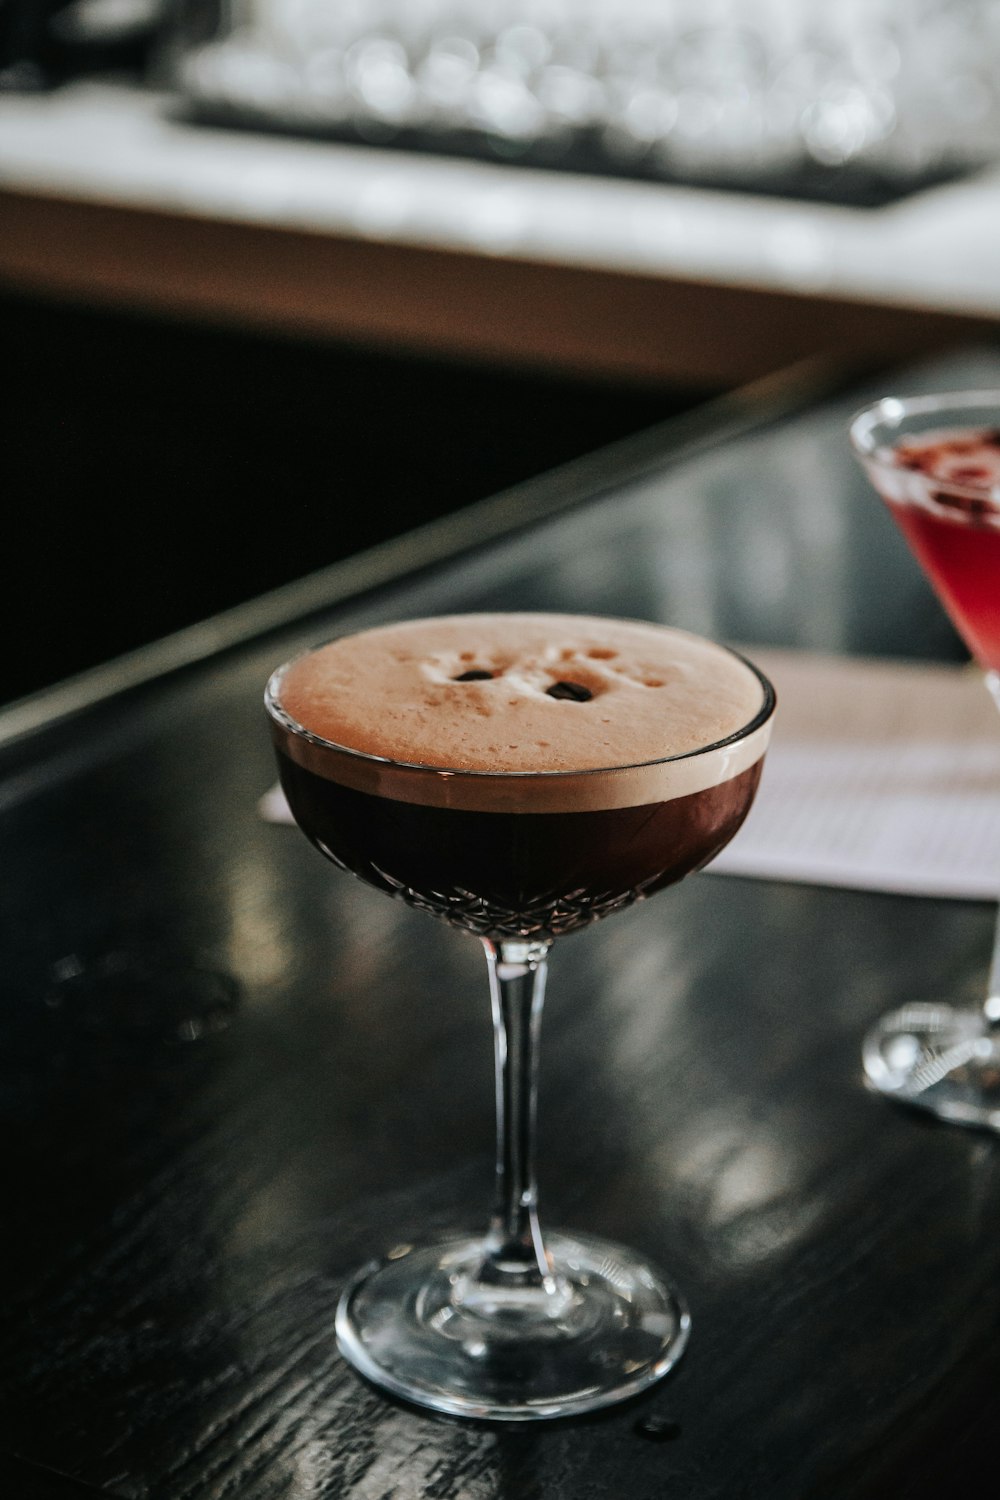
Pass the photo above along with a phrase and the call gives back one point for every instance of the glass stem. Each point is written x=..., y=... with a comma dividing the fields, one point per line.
x=991, y=1009
x=516, y=1256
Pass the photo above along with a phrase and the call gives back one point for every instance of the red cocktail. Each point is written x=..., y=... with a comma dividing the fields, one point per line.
x=944, y=490
x=935, y=460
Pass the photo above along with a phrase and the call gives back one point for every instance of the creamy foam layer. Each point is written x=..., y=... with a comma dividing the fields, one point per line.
x=563, y=695
x=398, y=692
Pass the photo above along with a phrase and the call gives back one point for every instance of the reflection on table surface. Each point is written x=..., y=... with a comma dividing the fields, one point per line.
x=229, y=1073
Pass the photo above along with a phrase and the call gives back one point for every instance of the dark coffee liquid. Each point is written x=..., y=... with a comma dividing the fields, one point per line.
x=516, y=875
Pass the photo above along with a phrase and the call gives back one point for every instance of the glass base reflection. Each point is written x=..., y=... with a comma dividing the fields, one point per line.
x=427, y=1325
x=939, y=1058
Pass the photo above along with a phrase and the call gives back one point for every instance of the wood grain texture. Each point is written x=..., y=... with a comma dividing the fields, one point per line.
x=31, y=1481
x=648, y=330
x=229, y=1074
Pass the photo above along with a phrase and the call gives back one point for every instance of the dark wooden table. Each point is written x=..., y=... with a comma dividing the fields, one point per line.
x=228, y=1074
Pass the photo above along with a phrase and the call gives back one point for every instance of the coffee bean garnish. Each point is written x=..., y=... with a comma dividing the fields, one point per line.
x=575, y=691
x=476, y=675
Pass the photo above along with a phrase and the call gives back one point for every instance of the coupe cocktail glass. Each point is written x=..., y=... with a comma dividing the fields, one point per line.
x=509, y=1324
x=935, y=461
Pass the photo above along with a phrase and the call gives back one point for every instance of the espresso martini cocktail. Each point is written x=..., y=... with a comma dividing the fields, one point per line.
x=519, y=776
x=935, y=461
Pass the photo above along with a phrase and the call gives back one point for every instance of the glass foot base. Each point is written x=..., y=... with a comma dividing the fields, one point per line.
x=422, y=1325
x=938, y=1058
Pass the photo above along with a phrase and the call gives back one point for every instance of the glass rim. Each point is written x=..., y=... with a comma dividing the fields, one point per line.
x=895, y=409
x=284, y=719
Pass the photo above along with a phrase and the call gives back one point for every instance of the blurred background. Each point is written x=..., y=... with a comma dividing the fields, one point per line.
x=280, y=279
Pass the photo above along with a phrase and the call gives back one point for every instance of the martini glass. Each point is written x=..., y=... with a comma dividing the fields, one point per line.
x=508, y=1324
x=935, y=461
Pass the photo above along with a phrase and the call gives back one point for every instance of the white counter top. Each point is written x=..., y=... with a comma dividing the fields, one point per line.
x=101, y=143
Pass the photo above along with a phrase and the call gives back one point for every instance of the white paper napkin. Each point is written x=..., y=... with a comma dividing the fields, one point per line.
x=881, y=776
